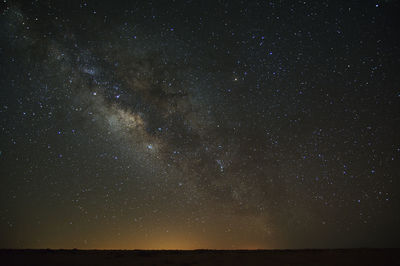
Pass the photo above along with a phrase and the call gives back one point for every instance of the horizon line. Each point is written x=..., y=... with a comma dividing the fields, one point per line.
x=199, y=249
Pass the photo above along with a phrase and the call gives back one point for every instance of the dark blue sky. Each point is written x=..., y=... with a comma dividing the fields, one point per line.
x=199, y=124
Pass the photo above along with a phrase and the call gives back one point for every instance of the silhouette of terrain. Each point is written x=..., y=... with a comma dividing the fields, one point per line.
x=45, y=257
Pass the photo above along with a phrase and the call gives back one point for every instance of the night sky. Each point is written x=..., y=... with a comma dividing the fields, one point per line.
x=199, y=124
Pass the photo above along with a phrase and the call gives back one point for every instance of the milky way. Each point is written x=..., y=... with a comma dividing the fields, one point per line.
x=199, y=125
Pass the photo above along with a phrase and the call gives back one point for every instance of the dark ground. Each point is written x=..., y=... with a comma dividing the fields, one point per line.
x=201, y=257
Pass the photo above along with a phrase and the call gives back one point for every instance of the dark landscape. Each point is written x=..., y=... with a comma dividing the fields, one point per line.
x=202, y=257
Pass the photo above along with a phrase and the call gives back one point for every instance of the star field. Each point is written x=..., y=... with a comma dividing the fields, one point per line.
x=199, y=124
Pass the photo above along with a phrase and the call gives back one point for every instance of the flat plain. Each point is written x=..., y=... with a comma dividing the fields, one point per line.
x=45, y=257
